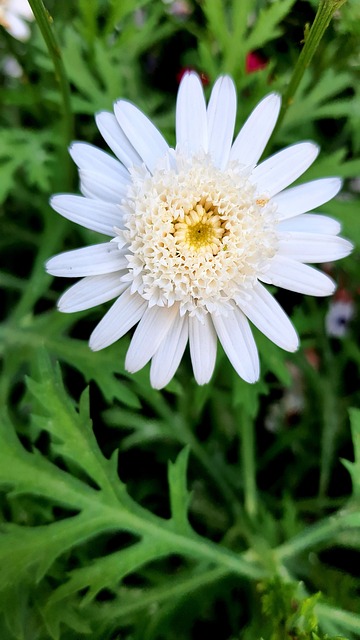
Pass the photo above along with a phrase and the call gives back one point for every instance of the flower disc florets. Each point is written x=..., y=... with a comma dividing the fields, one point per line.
x=197, y=235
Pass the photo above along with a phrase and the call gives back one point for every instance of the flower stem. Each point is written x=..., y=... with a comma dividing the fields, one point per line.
x=247, y=455
x=45, y=21
x=313, y=37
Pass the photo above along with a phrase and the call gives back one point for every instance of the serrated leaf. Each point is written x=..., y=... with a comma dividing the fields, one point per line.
x=266, y=26
x=26, y=553
x=319, y=98
x=107, y=572
x=101, y=367
x=71, y=429
x=23, y=472
x=26, y=150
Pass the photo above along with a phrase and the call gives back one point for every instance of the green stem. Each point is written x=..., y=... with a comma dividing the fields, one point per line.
x=178, y=588
x=344, y=619
x=45, y=21
x=325, y=530
x=325, y=12
x=247, y=455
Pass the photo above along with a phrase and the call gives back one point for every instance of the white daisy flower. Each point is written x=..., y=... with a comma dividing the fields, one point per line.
x=14, y=15
x=195, y=231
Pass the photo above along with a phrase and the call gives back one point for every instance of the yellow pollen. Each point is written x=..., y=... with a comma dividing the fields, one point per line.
x=202, y=229
x=262, y=201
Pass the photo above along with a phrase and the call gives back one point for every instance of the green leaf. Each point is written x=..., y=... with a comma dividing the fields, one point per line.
x=26, y=553
x=318, y=98
x=179, y=494
x=26, y=150
x=354, y=467
x=266, y=26
x=71, y=429
x=107, y=572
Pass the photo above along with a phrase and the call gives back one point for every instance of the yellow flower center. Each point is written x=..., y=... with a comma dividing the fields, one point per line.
x=201, y=230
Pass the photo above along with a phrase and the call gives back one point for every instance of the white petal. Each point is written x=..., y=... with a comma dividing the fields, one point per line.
x=116, y=139
x=101, y=187
x=149, y=334
x=91, y=291
x=298, y=277
x=255, y=133
x=91, y=214
x=17, y=27
x=124, y=313
x=88, y=261
x=141, y=132
x=221, y=114
x=89, y=158
x=267, y=315
x=312, y=223
x=312, y=247
x=167, y=358
x=22, y=8
x=284, y=167
x=203, y=343
x=306, y=197
x=191, y=122
x=238, y=343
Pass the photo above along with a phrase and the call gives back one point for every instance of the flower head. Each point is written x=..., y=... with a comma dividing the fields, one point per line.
x=195, y=231
x=14, y=15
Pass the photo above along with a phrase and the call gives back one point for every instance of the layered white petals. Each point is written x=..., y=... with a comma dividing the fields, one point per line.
x=221, y=114
x=101, y=176
x=268, y=316
x=312, y=247
x=91, y=291
x=238, y=343
x=255, y=133
x=306, y=197
x=298, y=277
x=101, y=187
x=191, y=120
x=150, y=332
x=168, y=356
x=311, y=223
x=116, y=139
x=142, y=134
x=202, y=342
x=284, y=167
x=88, y=261
x=121, y=317
x=90, y=158
x=95, y=215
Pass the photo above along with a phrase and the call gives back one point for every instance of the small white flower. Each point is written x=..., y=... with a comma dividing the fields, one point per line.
x=11, y=68
x=195, y=231
x=14, y=15
x=338, y=317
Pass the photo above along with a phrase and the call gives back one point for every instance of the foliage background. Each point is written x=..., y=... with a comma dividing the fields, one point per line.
x=226, y=509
